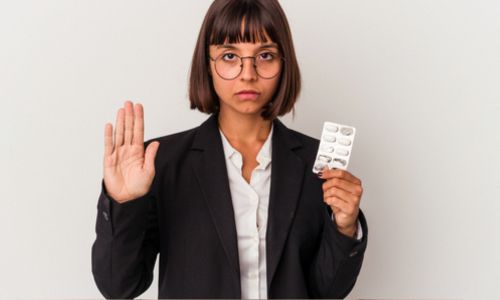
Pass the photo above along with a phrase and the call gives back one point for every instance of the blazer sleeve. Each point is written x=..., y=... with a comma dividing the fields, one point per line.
x=126, y=246
x=338, y=260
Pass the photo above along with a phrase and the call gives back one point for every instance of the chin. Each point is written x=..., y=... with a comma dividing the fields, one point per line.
x=251, y=110
x=245, y=108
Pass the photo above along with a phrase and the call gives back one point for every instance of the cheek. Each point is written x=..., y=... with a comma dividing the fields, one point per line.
x=222, y=87
x=273, y=86
x=215, y=81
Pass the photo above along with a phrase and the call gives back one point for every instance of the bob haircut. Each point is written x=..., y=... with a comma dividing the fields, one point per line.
x=262, y=19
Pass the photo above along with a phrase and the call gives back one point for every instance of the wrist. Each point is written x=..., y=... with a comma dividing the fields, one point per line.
x=350, y=231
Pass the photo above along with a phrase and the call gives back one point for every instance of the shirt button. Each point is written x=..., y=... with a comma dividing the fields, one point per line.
x=256, y=238
x=252, y=275
x=105, y=215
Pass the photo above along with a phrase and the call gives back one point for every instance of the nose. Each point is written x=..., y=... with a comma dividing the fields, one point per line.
x=248, y=72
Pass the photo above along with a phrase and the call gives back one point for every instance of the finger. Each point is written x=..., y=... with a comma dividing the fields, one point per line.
x=119, y=127
x=149, y=156
x=129, y=122
x=338, y=173
x=343, y=195
x=108, y=139
x=343, y=184
x=336, y=210
x=138, y=138
x=338, y=205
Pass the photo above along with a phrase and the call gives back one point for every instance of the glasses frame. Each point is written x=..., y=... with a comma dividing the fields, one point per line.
x=282, y=61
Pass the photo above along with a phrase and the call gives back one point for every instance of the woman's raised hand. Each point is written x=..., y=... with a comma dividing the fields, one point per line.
x=128, y=169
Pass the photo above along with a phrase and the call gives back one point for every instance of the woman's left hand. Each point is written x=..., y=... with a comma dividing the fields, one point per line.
x=342, y=192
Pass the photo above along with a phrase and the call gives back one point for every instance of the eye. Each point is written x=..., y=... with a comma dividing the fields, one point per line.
x=267, y=56
x=229, y=57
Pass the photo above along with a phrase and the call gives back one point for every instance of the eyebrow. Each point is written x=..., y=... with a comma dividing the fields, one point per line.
x=231, y=46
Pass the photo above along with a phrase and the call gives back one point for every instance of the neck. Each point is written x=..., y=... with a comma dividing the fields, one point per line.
x=244, y=129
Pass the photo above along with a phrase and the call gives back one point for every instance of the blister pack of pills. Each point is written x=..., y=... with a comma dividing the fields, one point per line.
x=335, y=146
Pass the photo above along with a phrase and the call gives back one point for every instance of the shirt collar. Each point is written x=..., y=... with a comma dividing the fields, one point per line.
x=264, y=155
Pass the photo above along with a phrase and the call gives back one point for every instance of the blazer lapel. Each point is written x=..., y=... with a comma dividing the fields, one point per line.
x=287, y=173
x=286, y=183
x=209, y=166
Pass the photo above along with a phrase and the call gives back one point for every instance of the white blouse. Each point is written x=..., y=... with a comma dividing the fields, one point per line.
x=250, y=204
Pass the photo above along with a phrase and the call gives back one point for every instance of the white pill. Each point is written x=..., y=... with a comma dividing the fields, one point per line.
x=329, y=138
x=324, y=158
x=342, y=152
x=340, y=161
x=319, y=166
x=331, y=127
x=327, y=148
x=345, y=142
x=346, y=131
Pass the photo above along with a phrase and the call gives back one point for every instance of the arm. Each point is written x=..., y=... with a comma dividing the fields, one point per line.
x=126, y=246
x=338, y=261
x=125, y=249
x=340, y=255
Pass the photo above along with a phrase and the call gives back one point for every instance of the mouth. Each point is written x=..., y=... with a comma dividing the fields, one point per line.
x=247, y=94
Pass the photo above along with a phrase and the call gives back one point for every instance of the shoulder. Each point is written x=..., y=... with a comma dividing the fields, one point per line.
x=303, y=145
x=175, y=145
x=179, y=138
x=309, y=147
x=308, y=144
x=306, y=140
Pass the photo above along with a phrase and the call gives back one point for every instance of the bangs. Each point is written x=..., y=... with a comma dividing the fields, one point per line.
x=242, y=22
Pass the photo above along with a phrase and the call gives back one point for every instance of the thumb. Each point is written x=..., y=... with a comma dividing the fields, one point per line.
x=149, y=156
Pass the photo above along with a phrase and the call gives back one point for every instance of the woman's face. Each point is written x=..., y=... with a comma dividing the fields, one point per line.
x=231, y=93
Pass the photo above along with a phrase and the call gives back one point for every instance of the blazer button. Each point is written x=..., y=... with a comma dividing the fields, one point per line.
x=105, y=215
x=353, y=253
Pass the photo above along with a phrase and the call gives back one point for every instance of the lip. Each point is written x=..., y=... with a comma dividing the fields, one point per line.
x=248, y=94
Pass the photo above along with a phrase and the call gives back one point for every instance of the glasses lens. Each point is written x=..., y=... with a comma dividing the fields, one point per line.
x=268, y=65
x=229, y=65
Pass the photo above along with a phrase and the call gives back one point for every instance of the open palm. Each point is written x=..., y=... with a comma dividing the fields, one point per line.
x=128, y=168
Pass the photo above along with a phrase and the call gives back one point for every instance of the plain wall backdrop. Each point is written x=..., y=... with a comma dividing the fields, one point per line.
x=420, y=80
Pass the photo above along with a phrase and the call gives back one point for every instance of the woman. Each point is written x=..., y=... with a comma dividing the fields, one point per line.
x=205, y=199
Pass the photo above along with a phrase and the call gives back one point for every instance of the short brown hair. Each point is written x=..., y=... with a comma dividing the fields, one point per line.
x=223, y=23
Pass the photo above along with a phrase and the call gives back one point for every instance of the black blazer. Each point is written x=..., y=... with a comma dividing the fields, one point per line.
x=187, y=217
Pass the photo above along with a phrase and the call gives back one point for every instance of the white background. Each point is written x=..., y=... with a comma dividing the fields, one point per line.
x=420, y=80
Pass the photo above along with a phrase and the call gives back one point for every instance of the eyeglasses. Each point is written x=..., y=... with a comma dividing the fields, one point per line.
x=229, y=65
